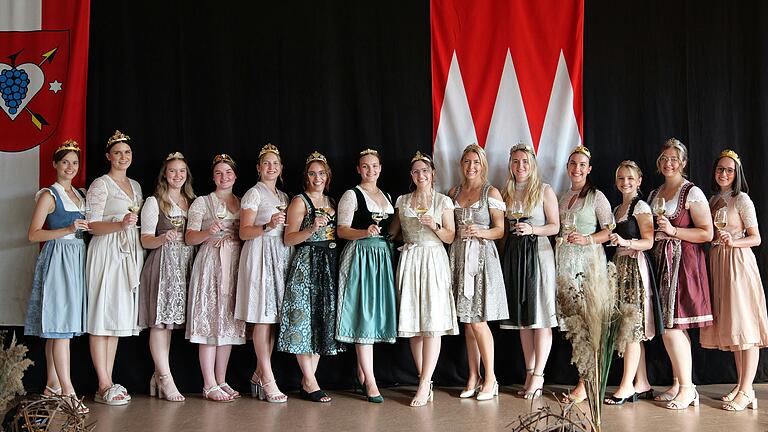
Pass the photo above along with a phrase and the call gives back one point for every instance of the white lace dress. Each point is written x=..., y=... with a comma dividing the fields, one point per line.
x=263, y=261
x=114, y=262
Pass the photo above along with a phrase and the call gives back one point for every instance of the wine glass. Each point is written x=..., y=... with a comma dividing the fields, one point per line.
x=658, y=206
x=610, y=226
x=420, y=208
x=134, y=208
x=378, y=217
x=516, y=212
x=721, y=220
x=282, y=205
x=569, y=223
x=177, y=222
x=467, y=219
x=221, y=214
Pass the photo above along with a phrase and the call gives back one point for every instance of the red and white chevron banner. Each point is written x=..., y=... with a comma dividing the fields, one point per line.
x=503, y=72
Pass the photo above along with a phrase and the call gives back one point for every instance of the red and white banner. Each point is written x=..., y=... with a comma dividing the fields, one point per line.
x=43, y=76
x=504, y=72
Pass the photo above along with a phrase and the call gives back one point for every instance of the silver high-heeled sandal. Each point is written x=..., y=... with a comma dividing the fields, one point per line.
x=421, y=402
x=681, y=404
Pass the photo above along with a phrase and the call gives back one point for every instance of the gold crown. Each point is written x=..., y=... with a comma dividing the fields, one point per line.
x=68, y=145
x=731, y=154
x=269, y=148
x=316, y=156
x=521, y=146
x=369, y=152
x=475, y=148
x=174, y=155
x=583, y=150
x=419, y=156
x=117, y=137
x=223, y=158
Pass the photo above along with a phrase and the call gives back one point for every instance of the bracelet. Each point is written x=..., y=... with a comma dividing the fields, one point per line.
x=675, y=234
x=264, y=227
x=630, y=244
x=591, y=240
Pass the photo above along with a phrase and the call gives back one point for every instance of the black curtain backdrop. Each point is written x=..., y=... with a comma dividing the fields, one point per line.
x=205, y=78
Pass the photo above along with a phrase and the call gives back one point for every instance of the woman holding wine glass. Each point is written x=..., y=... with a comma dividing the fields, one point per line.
x=115, y=260
x=57, y=304
x=583, y=208
x=633, y=236
x=740, y=319
x=528, y=263
x=367, y=304
x=426, y=310
x=681, y=271
x=308, y=317
x=478, y=284
x=163, y=288
x=263, y=267
x=213, y=222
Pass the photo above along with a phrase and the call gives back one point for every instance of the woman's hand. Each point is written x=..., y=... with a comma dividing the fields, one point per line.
x=169, y=235
x=276, y=220
x=214, y=228
x=129, y=220
x=523, y=228
x=79, y=224
x=665, y=226
x=320, y=222
x=578, y=239
x=618, y=240
x=428, y=221
x=373, y=230
x=725, y=238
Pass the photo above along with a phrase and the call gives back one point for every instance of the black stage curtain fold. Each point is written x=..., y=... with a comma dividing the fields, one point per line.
x=206, y=78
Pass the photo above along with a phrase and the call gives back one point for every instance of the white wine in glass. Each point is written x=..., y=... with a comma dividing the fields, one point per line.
x=569, y=223
x=610, y=226
x=467, y=219
x=721, y=220
x=134, y=208
x=659, y=206
x=378, y=217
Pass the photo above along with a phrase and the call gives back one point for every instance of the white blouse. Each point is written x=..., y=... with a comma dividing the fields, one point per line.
x=199, y=209
x=602, y=205
x=743, y=205
x=107, y=202
x=640, y=208
x=694, y=195
x=348, y=206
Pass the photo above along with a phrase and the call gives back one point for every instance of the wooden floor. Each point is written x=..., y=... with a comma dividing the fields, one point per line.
x=349, y=412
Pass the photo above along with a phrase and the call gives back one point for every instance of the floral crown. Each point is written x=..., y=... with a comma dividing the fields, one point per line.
x=269, y=148
x=521, y=146
x=316, y=156
x=117, y=137
x=583, y=150
x=174, y=155
x=731, y=154
x=223, y=158
x=68, y=145
x=419, y=156
x=369, y=152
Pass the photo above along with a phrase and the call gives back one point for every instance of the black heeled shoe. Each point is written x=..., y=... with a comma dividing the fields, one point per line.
x=358, y=387
x=315, y=396
x=648, y=394
x=613, y=400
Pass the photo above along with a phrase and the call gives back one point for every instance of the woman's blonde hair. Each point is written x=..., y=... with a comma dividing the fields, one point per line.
x=533, y=189
x=480, y=152
x=161, y=190
x=682, y=153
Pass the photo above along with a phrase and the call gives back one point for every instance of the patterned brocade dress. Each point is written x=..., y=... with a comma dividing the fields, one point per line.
x=57, y=303
x=114, y=263
x=211, y=310
x=426, y=306
x=478, y=284
x=528, y=265
x=164, y=278
x=681, y=267
x=263, y=261
x=308, y=317
x=367, y=311
x=738, y=299
x=634, y=273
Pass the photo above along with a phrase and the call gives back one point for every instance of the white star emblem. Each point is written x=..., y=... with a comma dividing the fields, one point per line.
x=55, y=86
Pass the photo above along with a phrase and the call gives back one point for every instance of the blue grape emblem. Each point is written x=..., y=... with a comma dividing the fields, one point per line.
x=14, y=83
